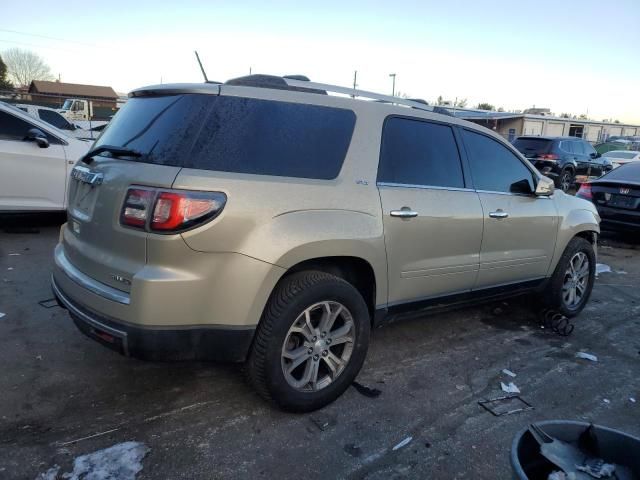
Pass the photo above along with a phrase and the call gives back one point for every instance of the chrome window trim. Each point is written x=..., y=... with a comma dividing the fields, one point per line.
x=424, y=187
x=87, y=282
x=533, y=195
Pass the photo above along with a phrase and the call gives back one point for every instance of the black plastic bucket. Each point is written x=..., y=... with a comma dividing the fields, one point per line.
x=615, y=447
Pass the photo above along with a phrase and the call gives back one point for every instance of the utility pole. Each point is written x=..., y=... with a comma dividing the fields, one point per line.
x=393, y=85
x=249, y=70
x=355, y=79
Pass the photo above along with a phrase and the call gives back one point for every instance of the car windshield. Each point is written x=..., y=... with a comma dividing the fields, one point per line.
x=532, y=146
x=623, y=155
x=67, y=104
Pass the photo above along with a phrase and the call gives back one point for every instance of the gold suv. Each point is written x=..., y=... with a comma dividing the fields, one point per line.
x=267, y=221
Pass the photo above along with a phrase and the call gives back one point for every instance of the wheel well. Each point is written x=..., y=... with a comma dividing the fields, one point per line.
x=589, y=235
x=356, y=271
x=569, y=167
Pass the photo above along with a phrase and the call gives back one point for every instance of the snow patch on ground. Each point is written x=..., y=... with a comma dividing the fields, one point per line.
x=122, y=461
x=602, y=268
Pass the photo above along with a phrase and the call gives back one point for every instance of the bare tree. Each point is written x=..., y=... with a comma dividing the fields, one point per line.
x=23, y=66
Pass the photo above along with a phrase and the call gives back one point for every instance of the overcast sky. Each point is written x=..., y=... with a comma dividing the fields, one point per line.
x=577, y=56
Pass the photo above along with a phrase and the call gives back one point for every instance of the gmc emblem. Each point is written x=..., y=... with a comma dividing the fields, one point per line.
x=624, y=191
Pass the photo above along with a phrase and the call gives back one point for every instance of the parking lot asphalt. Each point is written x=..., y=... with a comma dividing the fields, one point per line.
x=63, y=395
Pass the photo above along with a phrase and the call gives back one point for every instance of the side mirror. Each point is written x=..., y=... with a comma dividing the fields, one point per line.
x=595, y=155
x=38, y=136
x=545, y=187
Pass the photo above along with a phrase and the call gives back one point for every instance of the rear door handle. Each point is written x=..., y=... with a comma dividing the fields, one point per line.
x=498, y=214
x=404, y=212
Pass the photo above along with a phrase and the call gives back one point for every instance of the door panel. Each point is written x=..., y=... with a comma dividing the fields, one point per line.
x=32, y=178
x=436, y=252
x=520, y=246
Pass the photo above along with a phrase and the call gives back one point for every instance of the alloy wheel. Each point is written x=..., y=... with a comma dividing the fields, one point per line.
x=318, y=346
x=565, y=181
x=576, y=280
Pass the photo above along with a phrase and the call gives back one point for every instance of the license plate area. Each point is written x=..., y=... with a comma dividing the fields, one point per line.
x=622, y=201
x=84, y=201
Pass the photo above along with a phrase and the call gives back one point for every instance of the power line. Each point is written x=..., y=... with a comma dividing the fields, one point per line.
x=50, y=38
x=26, y=44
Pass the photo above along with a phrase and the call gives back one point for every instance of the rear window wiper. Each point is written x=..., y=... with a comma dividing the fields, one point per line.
x=113, y=150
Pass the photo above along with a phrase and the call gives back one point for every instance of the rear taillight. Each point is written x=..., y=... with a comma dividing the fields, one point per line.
x=548, y=156
x=170, y=211
x=585, y=191
x=136, y=207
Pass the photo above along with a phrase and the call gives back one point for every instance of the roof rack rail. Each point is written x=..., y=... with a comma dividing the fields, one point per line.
x=417, y=104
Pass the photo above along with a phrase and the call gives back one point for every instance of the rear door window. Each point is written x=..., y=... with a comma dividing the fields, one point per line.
x=234, y=134
x=415, y=152
x=494, y=167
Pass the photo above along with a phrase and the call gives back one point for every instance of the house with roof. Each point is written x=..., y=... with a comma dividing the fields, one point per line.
x=55, y=93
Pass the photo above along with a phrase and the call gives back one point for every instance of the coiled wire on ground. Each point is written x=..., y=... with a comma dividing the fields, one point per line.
x=556, y=322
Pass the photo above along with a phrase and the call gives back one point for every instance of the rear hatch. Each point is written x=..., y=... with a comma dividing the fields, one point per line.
x=160, y=129
x=534, y=149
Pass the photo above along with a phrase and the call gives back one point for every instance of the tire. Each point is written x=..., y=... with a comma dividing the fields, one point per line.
x=554, y=296
x=565, y=179
x=283, y=321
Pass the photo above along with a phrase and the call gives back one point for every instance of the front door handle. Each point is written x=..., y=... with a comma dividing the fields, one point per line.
x=404, y=212
x=498, y=214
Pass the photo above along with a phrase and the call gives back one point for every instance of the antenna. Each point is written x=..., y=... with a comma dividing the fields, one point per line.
x=201, y=67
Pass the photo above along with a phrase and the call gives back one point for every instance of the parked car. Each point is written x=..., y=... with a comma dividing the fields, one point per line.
x=620, y=157
x=258, y=221
x=617, y=197
x=35, y=161
x=53, y=117
x=567, y=160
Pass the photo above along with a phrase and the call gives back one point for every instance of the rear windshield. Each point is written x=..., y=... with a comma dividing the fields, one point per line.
x=625, y=155
x=629, y=172
x=233, y=134
x=528, y=146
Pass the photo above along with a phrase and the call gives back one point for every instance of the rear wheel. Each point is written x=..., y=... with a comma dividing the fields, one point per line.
x=570, y=286
x=311, y=342
x=566, y=179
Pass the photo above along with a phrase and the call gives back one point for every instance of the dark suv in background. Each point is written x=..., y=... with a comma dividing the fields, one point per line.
x=566, y=160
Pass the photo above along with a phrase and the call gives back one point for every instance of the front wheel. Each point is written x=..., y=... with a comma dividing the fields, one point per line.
x=311, y=342
x=570, y=286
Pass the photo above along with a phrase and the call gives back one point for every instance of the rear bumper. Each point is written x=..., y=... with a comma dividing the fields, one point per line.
x=618, y=219
x=148, y=343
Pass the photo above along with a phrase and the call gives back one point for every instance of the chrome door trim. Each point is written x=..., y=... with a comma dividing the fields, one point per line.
x=424, y=187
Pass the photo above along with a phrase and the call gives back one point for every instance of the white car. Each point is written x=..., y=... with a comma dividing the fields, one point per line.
x=620, y=157
x=78, y=129
x=35, y=161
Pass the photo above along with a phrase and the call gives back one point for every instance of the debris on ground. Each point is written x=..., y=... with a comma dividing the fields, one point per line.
x=2, y=314
x=403, y=443
x=556, y=322
x=352, y=449
x=606, y=400
x=509, y=388
x=632, y=400
x=508, y=372
x=505, y=405
x=602, y=268
x=366, y=391
x=48, y=303
x=50, y=474
x=15, y=254
x=122, y=461
x=323, y=422
x=587, y=356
